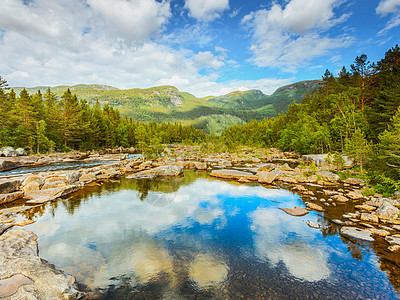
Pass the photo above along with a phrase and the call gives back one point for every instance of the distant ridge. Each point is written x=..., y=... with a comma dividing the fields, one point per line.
x=168, y=104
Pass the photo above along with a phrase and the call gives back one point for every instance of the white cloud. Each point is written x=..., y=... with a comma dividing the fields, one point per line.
x=288, y=37
x=386, y=7
x=207, y=59
x=131, y=20
x=206, y=10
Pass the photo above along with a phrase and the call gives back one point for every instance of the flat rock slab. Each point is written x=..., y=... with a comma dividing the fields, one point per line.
x=232, y=174
x=19, y=255
x=312, y=224
x=168, y=170
x=357, y=233
x=296, y=211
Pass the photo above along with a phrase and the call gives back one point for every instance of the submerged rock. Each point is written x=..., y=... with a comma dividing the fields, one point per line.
x=296, y=211
x=19, y=255
x=357, y=233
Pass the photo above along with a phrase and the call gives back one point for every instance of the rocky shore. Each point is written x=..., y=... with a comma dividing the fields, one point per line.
x=341, y=201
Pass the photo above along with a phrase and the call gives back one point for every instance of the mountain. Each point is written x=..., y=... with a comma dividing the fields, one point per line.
x=168, y=104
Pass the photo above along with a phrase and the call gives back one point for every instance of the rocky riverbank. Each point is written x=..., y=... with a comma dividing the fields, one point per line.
x=341, y=201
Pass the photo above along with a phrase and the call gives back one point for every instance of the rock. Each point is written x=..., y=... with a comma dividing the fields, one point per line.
x=8, y=152
x=9, y=186
x=285, y=167
x=267, y=177
x=357, y=233
x=23, y=223
x=369, y=218
x=380, y=232
x=393, y=239
x=266, y=167
x=355, y=195
x=6, y=165
x=396, y=195
x=43, y=196
x=354, y=181
x=6, y=198
x=19, y=255
x=87, y=177
x=53, y=184
x=200, y=165
x=387, y=211
x=20, y=152
x=328, y=175
x=338, y=222
x=287, y=179
x=396, y=227
x=168, y=170
x=9, y=286
x=394, y=248
x=296, y=211
x=32, y=186
x=314, y=206
x=365, y=207
x=313, y=224
x=231, y=174
x=243, y=180
x=340, y=198
x=330, y=193
x=39, y=178
x=73, y=177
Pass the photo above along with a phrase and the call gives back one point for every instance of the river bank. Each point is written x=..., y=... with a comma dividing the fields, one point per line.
x=341, y=202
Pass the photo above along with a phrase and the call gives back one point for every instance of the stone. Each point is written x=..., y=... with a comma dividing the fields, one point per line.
x=357, y=233
x=338, y=222
x=267, y=167
x=393, y=239
x=355, y=195
x=267, y=177
x=313, y=224
x=6, y=165
x=340, y=198
x=6, y=198
x=396, y=227
x=19, y=255
x=330, y=193
x=23, y=223
x=32, y=186
x=8, y=152
x=87, y=177
x=296, y=211
x=43, y=196
x=200, y=165
x=20, y=152
x=394, y=248
x=168, y=170
x=9, y=186
x=9, y=286
x=287, y=179
x=314, y=206
x=387, y=211
x=365, y=207
x=328, y=175
x=230, y=174
x=354, y=181
x=380, y=232
x=73, y=177
x=53, y=184
x=369, y=218
x=39, y=178
x=285, y=167
x=243, y=180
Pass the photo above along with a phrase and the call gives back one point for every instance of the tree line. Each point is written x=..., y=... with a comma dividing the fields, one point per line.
x=356, y=112
x=42, y=123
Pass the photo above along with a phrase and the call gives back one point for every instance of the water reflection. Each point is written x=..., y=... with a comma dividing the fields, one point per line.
x=280, y=237
x=193, y=237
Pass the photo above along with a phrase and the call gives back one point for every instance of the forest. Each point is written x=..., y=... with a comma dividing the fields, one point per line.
x=356, y=112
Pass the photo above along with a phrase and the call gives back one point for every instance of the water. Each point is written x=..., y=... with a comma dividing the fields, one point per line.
x=199, y=238
x=74, y=165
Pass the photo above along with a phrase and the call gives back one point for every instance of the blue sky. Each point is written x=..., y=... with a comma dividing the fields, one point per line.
x=205, y=47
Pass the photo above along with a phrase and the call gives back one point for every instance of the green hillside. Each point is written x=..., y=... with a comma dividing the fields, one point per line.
x=168, y=104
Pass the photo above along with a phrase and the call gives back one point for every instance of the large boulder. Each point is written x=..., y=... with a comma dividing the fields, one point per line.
x=268, y=177
x=168, y=170
x=387, y=211
x=6, y=165
x=328, y=175
x=8, y=152
x=25, y=275
x=20, y=152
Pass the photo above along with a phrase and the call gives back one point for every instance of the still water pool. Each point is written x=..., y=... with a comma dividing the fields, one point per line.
x=199, y=238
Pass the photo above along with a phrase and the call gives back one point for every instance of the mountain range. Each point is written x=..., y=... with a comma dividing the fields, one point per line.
x=168, y=104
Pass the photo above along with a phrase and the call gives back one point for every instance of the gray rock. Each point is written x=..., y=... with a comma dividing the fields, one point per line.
x=393, y=239
x=6, y=165
x=20, y=152
x=354, y=181
x=357, y=233
x=19, y=255
x=168, y=170
x=6, y=198
x=328, y=175
x=313, y=224
x=314, y=206
x=387, y=211
x=369, y=218
x=9, y=186
x=8, y=152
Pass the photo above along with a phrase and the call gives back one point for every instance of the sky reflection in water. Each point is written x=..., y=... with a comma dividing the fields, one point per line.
x=212, y=237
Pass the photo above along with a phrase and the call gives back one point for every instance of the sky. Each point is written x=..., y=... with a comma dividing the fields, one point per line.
x=205, y=47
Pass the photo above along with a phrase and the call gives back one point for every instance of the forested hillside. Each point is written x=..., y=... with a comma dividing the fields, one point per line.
x=356, y=112
x=168, y=104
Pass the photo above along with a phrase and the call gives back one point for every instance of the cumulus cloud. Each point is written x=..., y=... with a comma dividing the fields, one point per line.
x=386, y=7
x=132, y=20
x=207, y=59
x=206, y=10
x=288, y=37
